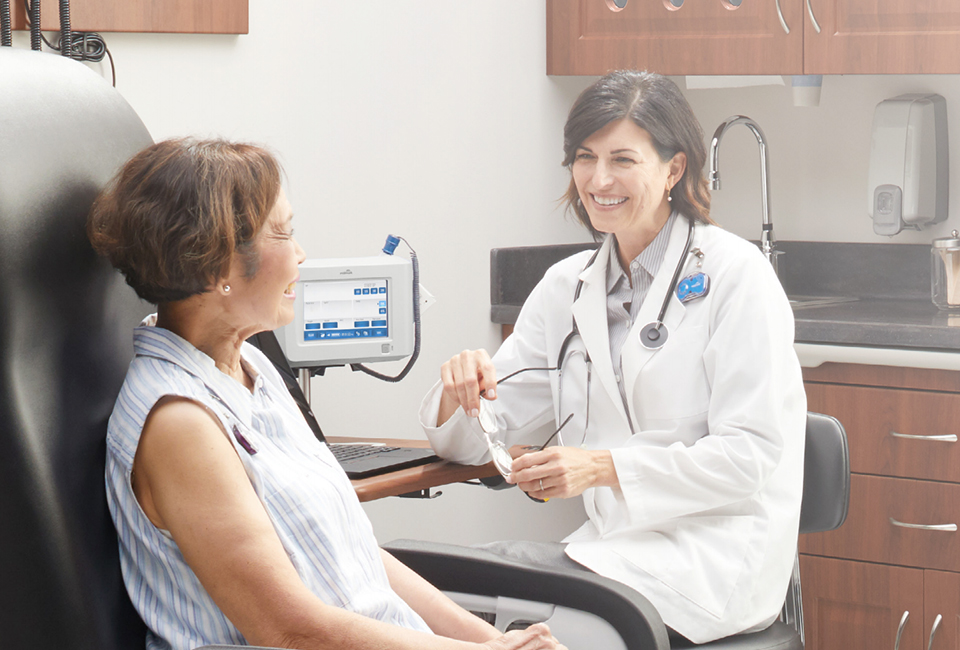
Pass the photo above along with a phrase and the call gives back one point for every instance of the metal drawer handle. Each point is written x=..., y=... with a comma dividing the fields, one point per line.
x=813, y=18
x=903, y=624
x=949, y=437
x=933, y=631
x=783, y=23
x=950, y=528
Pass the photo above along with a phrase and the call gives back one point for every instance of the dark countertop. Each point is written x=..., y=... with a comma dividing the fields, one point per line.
x=890, y=281
x=890, y=323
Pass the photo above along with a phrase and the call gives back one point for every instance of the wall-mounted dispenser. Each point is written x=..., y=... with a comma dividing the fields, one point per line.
x=909, y=163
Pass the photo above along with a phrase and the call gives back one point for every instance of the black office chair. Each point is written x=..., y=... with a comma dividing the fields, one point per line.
x=826, y=496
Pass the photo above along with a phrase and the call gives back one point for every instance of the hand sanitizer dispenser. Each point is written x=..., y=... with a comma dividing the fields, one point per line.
x=909, y=165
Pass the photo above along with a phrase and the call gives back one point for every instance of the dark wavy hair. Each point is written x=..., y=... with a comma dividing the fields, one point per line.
x=656, y=105
x=178, y=212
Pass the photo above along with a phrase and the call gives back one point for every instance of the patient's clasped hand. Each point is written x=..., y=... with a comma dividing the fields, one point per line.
x=235, y=524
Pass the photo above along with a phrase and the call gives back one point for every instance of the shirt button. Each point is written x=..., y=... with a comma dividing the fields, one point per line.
x=618, y=378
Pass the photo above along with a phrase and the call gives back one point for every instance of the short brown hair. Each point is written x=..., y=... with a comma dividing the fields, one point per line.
x=656, y=105
x=177, y=212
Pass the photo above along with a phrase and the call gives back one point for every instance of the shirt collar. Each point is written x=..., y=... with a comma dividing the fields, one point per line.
x=159, y=343
x=649, y=259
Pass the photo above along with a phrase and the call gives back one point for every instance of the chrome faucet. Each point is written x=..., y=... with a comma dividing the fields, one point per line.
x=768, y=242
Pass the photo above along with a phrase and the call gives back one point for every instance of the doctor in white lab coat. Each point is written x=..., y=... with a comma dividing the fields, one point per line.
x=688, y=456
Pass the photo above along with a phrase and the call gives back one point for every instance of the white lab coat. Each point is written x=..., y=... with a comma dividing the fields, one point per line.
x=704, y=522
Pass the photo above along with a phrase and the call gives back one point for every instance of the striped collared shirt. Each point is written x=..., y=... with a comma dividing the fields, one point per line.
x=625, y=295
x=308, y=498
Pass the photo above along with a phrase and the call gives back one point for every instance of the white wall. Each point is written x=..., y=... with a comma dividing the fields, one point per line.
x=435, y=120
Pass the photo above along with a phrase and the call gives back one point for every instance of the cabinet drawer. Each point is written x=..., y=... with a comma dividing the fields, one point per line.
x=871, y=417
x=869, y=534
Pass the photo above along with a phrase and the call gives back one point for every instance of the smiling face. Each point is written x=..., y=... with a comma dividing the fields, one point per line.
x=264, y=300
x=623, y=184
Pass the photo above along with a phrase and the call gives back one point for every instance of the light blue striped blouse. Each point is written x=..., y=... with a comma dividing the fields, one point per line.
x=309, y=499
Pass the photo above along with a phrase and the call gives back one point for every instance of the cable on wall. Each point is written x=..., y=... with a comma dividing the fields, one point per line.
x=82, y=46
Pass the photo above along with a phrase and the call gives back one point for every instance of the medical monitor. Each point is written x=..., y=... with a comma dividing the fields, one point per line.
x=350, y=310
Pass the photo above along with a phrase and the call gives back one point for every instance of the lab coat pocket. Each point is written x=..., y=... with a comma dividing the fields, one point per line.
x=673, y=383
x=701, y=559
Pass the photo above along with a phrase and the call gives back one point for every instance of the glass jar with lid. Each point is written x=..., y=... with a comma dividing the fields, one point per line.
x=945, y=272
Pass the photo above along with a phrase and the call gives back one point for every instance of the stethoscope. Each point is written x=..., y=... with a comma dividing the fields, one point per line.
x=653, y=335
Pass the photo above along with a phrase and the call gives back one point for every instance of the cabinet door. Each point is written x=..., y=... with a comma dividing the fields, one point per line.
x=941, y=596
x=882, y=36
x=858, y=606
x=592, y=37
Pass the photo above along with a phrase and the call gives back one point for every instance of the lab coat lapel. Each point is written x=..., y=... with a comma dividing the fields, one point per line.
x=590, y=312
x=634, y=354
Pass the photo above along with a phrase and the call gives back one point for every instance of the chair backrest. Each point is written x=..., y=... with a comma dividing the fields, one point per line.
x=826, y=475
x=65, y=342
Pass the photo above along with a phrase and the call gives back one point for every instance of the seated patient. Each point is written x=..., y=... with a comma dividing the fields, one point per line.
x=235, y=524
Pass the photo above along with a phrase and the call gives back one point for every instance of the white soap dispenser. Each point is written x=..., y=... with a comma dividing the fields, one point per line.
x=909, y=163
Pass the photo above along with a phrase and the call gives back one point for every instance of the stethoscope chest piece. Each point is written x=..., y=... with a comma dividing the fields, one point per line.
x=653, y=336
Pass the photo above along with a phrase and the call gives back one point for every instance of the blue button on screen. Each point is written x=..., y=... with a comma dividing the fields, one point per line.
x=366, y=292
x=311, y=326
x=379, y=323
x=330, y=326
x=382, y=289
x=312, y=336
x=379, y=332
x=356, y=292
x=383, y=310
x=362, y=323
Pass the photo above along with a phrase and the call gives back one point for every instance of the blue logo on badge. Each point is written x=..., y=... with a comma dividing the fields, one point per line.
x=693, y=287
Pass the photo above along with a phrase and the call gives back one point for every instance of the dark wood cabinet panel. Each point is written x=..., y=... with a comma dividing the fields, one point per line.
x=895, y=432
x=858, y=606
x=181, y=16
x=592, y=37
x=589, y=37
x=883, y=36
x=868, y=534
x=941, y=596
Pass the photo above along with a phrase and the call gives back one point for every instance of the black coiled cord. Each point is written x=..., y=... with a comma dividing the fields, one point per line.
x=33, y=13
x=416, y=326
x=6, y=33
x=64, y=25
x=82, y=46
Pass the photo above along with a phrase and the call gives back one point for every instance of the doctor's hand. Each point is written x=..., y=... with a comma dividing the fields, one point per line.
x=464, y=377
x=563, y=472
x=535, y=637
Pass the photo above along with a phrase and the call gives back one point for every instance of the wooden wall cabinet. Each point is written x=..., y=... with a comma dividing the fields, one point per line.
x=899, y=550
x=705, y=37
x=174, y=16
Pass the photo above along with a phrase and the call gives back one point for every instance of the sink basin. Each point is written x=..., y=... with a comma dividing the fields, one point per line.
x=805, y=302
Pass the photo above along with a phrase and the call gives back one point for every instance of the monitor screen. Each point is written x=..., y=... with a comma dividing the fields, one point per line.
x=345, y=309
x=355, y=310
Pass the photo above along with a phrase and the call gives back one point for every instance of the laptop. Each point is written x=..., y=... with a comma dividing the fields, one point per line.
x=358, y=459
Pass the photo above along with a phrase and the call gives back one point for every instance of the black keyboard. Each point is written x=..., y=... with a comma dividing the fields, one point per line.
x=348, y=451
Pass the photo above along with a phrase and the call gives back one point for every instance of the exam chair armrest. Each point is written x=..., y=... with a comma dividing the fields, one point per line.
x=475, y=571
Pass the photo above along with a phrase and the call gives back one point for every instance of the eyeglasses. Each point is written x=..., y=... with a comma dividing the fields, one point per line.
x=487, y=420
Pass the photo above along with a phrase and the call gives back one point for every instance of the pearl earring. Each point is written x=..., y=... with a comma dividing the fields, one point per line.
x=226, y=288
x=669, y=198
